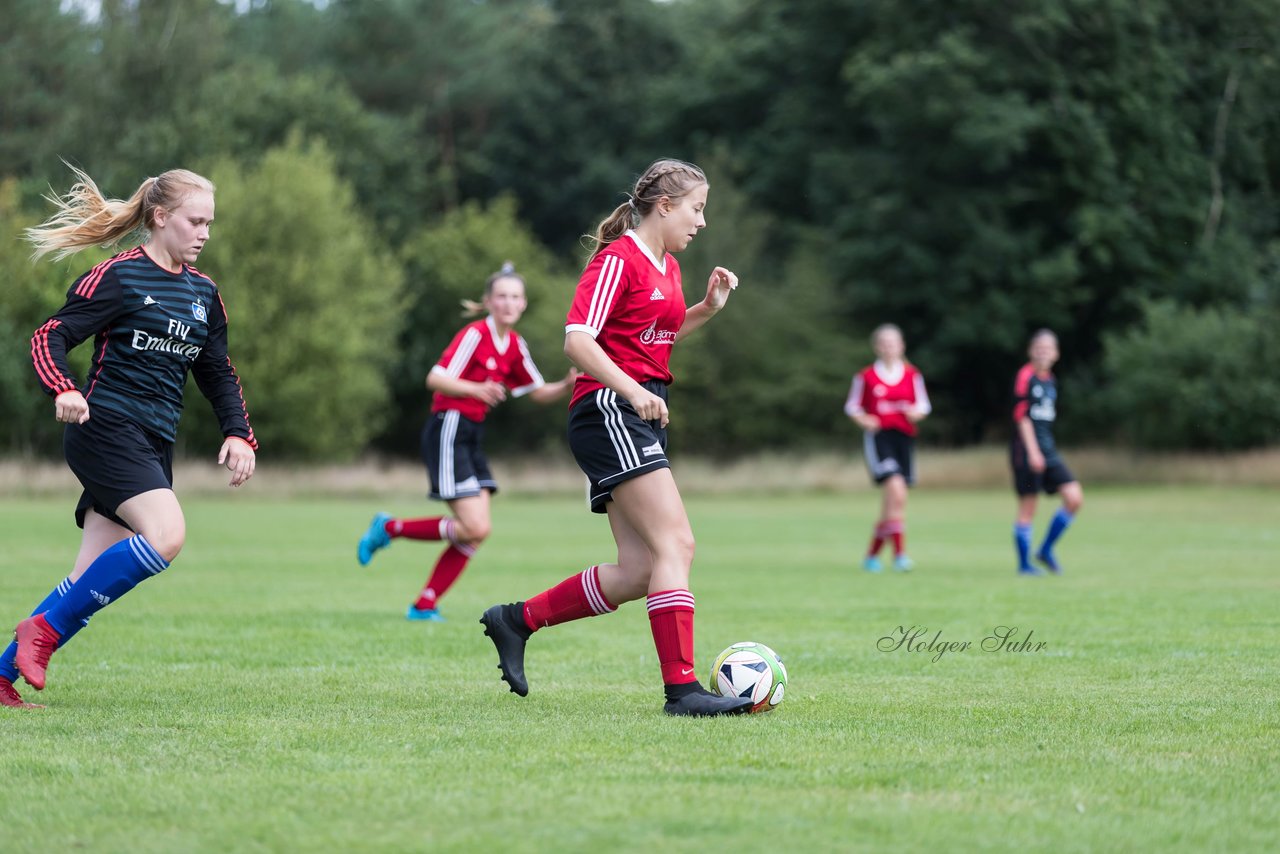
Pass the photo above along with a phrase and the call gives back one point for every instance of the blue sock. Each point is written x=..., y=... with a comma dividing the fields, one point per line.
x=116, y=571
x=1061, y=521
x=7, y=668
x=1022, y=539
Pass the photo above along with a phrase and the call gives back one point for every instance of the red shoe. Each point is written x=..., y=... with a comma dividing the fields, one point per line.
x=36, y=642
x=10, y=697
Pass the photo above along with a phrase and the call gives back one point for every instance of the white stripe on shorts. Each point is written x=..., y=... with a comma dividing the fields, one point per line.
x=448, y=434
x=607, y=402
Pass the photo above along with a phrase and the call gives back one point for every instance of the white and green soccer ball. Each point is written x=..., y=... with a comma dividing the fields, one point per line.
x=750, y=669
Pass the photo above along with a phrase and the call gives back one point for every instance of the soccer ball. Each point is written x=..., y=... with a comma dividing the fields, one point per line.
x=750, y=669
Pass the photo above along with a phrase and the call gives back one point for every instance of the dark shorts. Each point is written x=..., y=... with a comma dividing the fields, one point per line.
x=115, y=459
x=890, y=452
x=455, y=460
x=612, y=444
x=1028, y=482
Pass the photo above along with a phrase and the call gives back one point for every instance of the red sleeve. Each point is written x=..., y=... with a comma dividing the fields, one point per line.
x=523, y=376
x=1021, y=390
x=598, y=291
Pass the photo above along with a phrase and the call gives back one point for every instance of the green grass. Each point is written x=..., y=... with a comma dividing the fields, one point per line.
x=266, y=694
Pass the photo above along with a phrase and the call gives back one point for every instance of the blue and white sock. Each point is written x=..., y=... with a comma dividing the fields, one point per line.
x=116, y=571
x=1061, y=521
x=1022, y=540
x=7, y=668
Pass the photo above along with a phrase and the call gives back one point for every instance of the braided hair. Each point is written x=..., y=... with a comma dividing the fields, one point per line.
x=671, y=178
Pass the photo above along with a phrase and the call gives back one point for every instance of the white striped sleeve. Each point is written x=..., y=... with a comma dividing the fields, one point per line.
x=922, y=396
x=535, y=379
x=853, y=406
x=462, y=356
x=603, y=294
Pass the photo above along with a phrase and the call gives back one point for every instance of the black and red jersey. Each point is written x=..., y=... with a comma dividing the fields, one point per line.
x=477, y=354
x=151, y=327
x=633, y=305
x=1035, y=396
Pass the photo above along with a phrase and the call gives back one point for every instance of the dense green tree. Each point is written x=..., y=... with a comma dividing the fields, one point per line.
x=1196, y=378
x=31, y=292
x=314, y=301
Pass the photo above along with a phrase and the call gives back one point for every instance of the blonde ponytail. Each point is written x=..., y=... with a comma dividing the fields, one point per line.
x=85, y=217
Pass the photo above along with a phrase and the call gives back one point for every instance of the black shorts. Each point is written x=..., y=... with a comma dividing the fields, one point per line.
x=114, y=459
x=890, y=452
x=455, y=460
x=1028, y=482
x=613, y=444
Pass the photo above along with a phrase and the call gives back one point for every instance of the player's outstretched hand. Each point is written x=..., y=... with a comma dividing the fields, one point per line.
x=719, y=285
x=70, y=407
x=238, y=456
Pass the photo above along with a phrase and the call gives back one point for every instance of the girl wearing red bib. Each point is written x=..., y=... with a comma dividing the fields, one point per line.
x=485, y=361
x=627, y=313
x=887, y=400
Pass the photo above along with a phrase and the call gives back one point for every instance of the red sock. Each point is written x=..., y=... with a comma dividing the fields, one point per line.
x=450, y=565
x=433, y=528
x=671, y=620
x=877, y=540
x=897, y=532
x=576, y=597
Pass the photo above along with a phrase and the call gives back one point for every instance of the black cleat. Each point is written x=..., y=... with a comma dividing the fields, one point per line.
x=504, y=624
x=701, y=703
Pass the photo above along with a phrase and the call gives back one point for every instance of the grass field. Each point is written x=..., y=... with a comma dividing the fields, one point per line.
x=266, y=694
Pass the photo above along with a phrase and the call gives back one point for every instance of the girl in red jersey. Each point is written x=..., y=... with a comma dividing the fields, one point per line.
x=887, y=400
x=627, y=313
x=485, y=360
x=155, y=319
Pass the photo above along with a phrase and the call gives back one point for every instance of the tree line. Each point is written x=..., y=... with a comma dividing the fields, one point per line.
x=969, y=170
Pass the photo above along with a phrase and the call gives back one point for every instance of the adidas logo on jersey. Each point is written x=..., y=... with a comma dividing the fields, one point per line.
x=149, y=300
x=657, y=294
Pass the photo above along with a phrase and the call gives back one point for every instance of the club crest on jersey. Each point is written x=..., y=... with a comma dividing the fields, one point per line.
x=198, y=312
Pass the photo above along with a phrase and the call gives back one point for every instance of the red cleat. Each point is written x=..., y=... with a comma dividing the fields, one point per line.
x=36, y=642
x=10, y=697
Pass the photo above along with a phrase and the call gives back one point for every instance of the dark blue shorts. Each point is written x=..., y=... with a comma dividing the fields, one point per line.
x=890, y=452
x=1027, y=482
x=613, y=444
x=455, y=460
x=114, y=459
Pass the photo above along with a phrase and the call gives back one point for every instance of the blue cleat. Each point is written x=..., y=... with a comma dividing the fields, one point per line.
x=1030, y=572
x=902, y=563
x=871, y=563
x=430, y=615
x=375, y=538
x=1050, y=562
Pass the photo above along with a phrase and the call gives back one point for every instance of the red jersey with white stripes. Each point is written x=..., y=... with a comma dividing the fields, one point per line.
x=887, y=394
x=633, y=305
x=477, y=354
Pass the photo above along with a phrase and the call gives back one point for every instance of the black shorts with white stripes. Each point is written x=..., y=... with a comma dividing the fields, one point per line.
x=613, y=444
x=456, y=464
x=890, y=452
